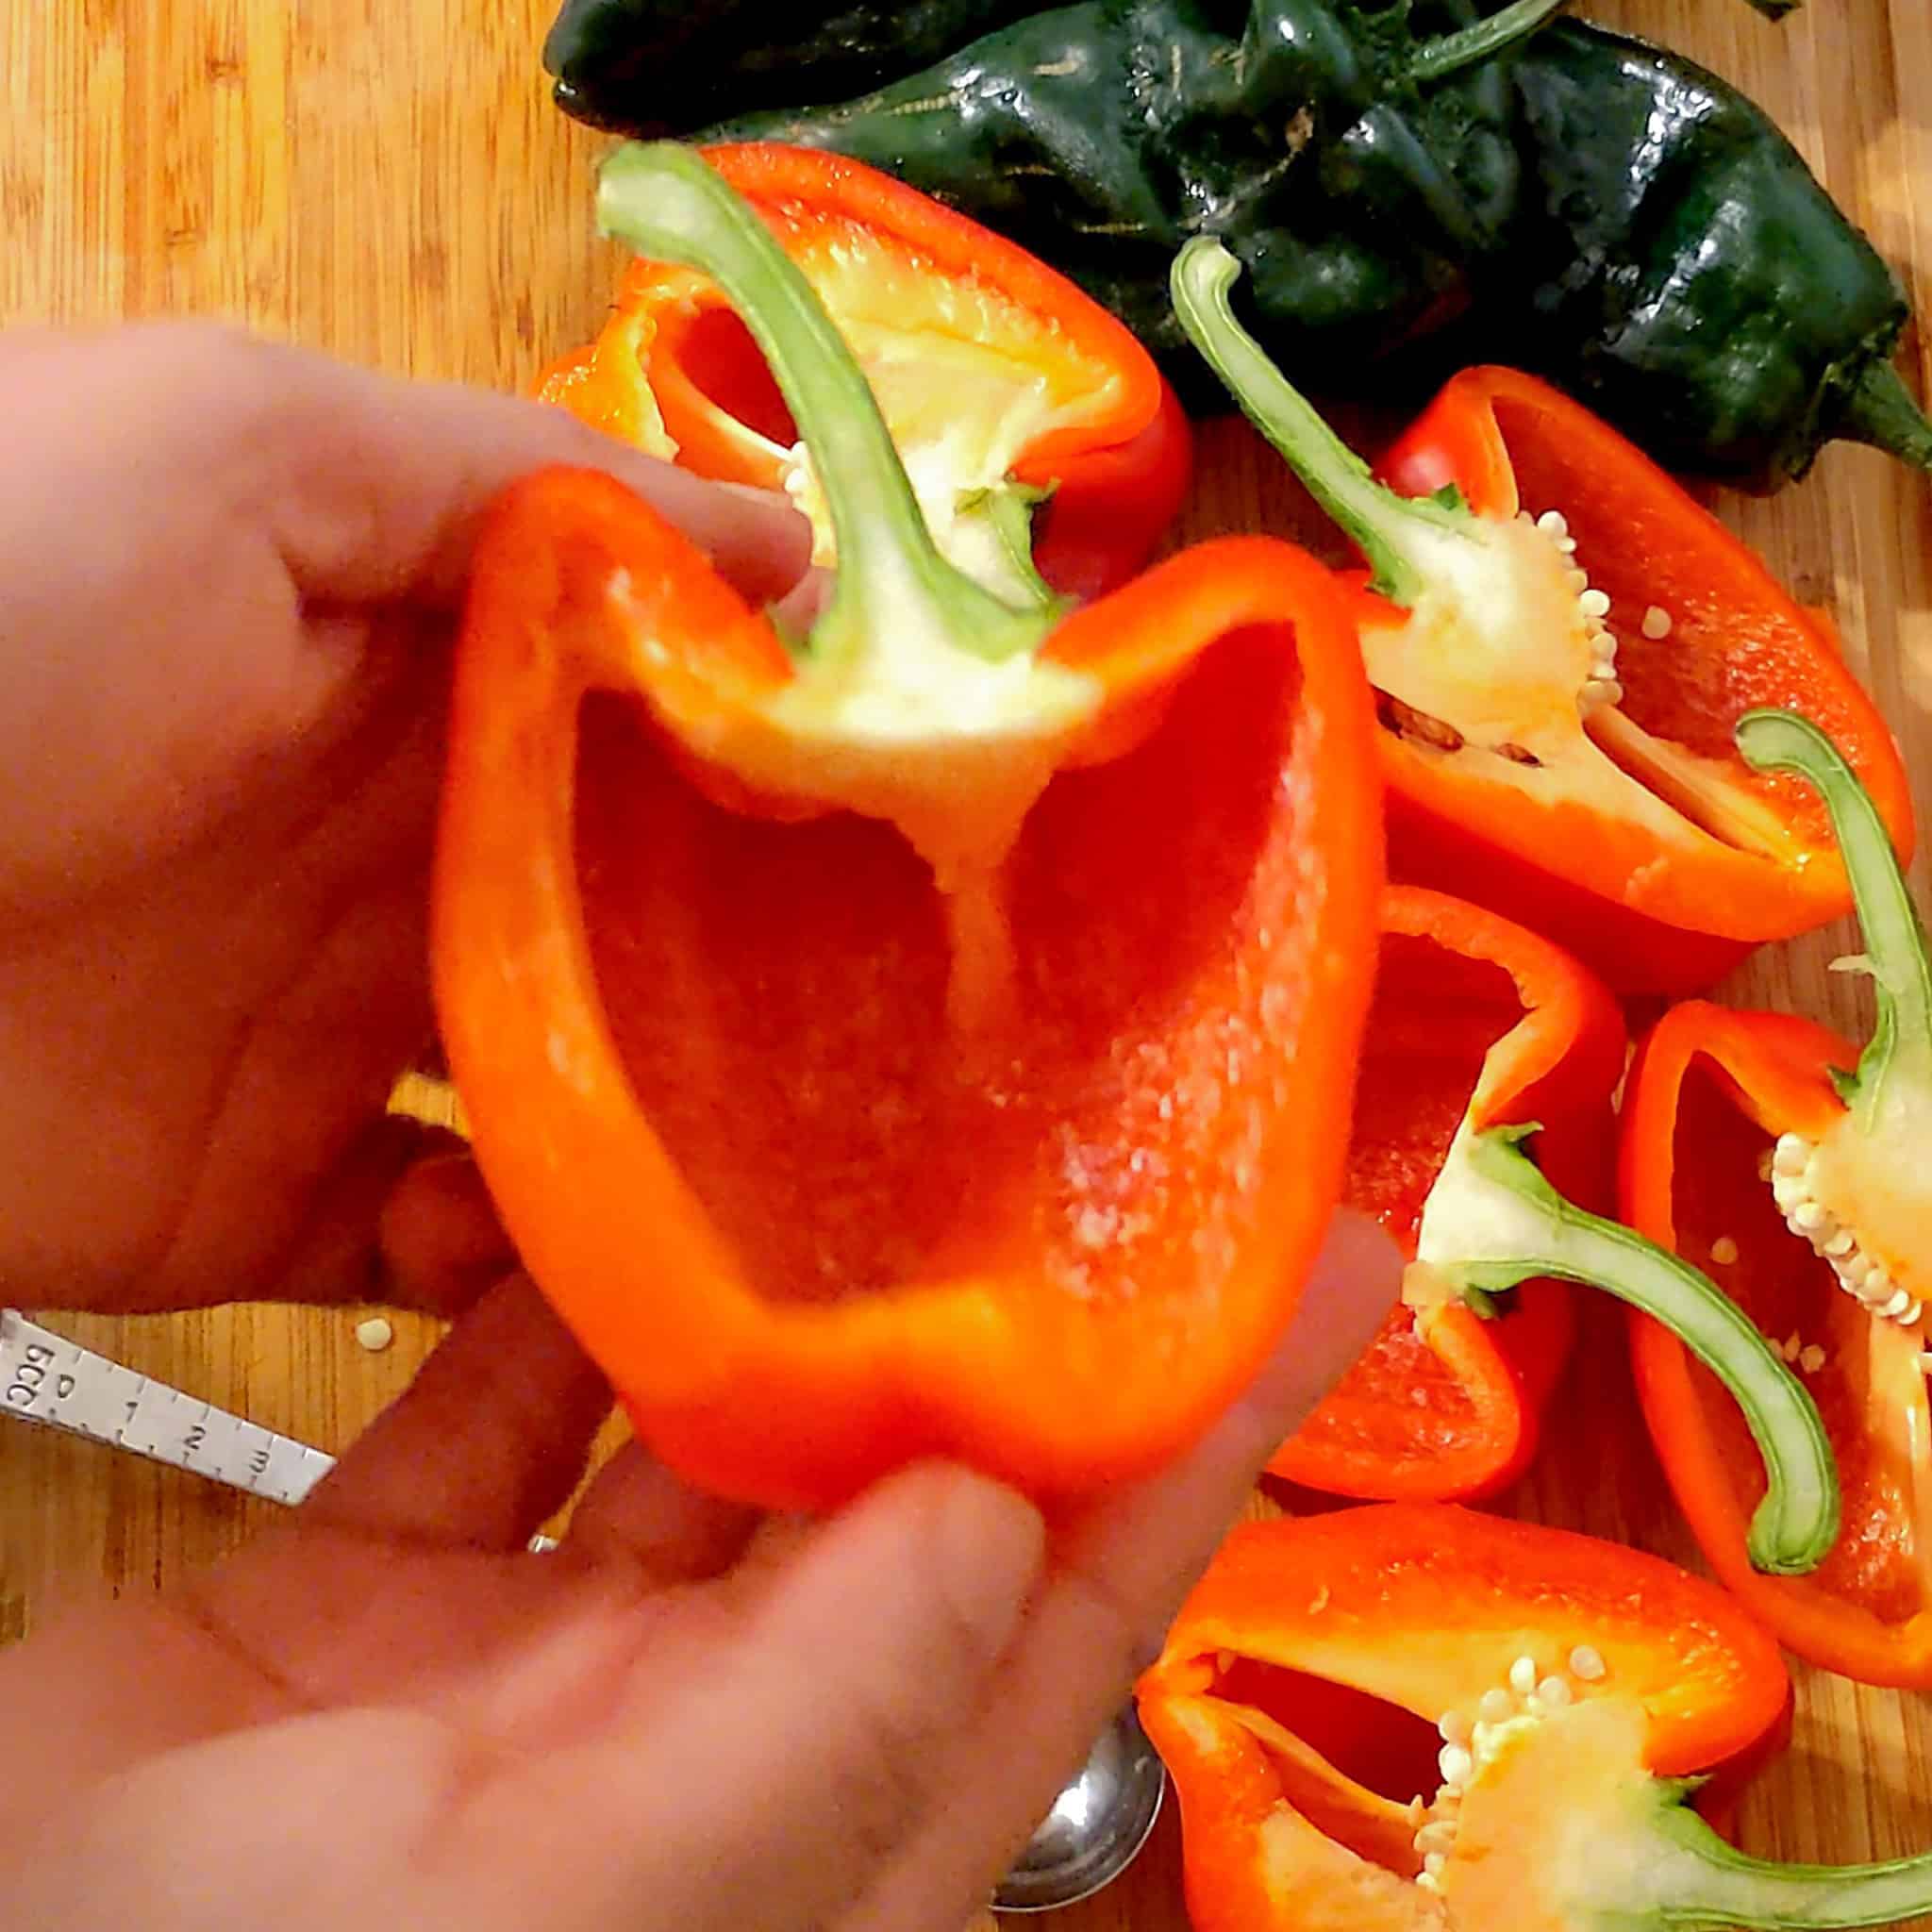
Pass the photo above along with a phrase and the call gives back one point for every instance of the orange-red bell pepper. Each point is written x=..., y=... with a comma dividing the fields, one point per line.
x=1563, y=641
x=1413, y=1718
x=931, y=1036
x=1471, y=1014
x=1800, y=1174
x=1481, y=1218
x=1001, y=381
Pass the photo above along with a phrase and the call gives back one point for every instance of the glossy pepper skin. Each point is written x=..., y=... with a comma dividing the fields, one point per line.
x=959, y=330
x=1610, y=214
x=1728, y=1117
x=1100, y=135
x=1696, y=284
x=1578, y=1693
x=862, y=1085
x=667, y=66
x=1471, y=1012
x=1281, y=1771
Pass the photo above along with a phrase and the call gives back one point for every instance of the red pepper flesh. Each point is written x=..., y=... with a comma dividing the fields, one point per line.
x=702, y=1031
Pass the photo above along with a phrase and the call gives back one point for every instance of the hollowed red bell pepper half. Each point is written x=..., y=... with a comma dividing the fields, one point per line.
x=1471, y=1013
x=1563, y=641
x=931, y=1036
x=1799, y=1172
x=1004, y=385
x=1413, y=1718
x=1488, y=1219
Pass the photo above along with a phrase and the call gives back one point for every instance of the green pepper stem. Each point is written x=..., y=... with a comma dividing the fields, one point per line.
x=1880, y=411
x=1517, y=1226
x=1203, y=273
x=1468, y=46
x=663, y=200
x=1699, y=1880
x=1894, y=937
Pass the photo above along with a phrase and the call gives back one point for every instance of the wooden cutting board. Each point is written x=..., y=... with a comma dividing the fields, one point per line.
x=387, y=179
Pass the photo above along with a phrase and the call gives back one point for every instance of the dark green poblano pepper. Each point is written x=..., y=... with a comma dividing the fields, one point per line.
x=667, y=66
x=1687, y=274
x=1102, y=134
x=1415, y=183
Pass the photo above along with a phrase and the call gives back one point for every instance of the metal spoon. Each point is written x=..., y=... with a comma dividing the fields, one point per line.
x=1097, y=1823
x=1096, y=1826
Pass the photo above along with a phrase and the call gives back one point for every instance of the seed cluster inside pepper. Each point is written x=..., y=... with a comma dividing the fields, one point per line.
x=1545, y=753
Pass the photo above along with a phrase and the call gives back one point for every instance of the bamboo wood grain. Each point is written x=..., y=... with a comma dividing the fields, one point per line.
x=386, y=179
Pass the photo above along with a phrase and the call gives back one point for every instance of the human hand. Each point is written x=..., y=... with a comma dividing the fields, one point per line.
x=385, y=1714
x=228, y=572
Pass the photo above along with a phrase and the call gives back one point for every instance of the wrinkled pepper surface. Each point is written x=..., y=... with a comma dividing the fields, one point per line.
x=1798, y=1172
x=1002, y=384
x=667, y=66
x=1415, y=186
x=1563, y=641
x=931, y=1035
x=1305, y=132
x=1470, y=1012
x=1550, y=1701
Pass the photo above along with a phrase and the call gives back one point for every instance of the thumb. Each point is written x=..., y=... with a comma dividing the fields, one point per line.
x=1119, y=1574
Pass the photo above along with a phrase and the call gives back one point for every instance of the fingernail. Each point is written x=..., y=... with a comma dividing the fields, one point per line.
x=764, y=499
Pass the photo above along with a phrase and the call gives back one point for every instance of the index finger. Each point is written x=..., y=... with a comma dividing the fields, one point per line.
x=371, y=486
x=394, y=476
